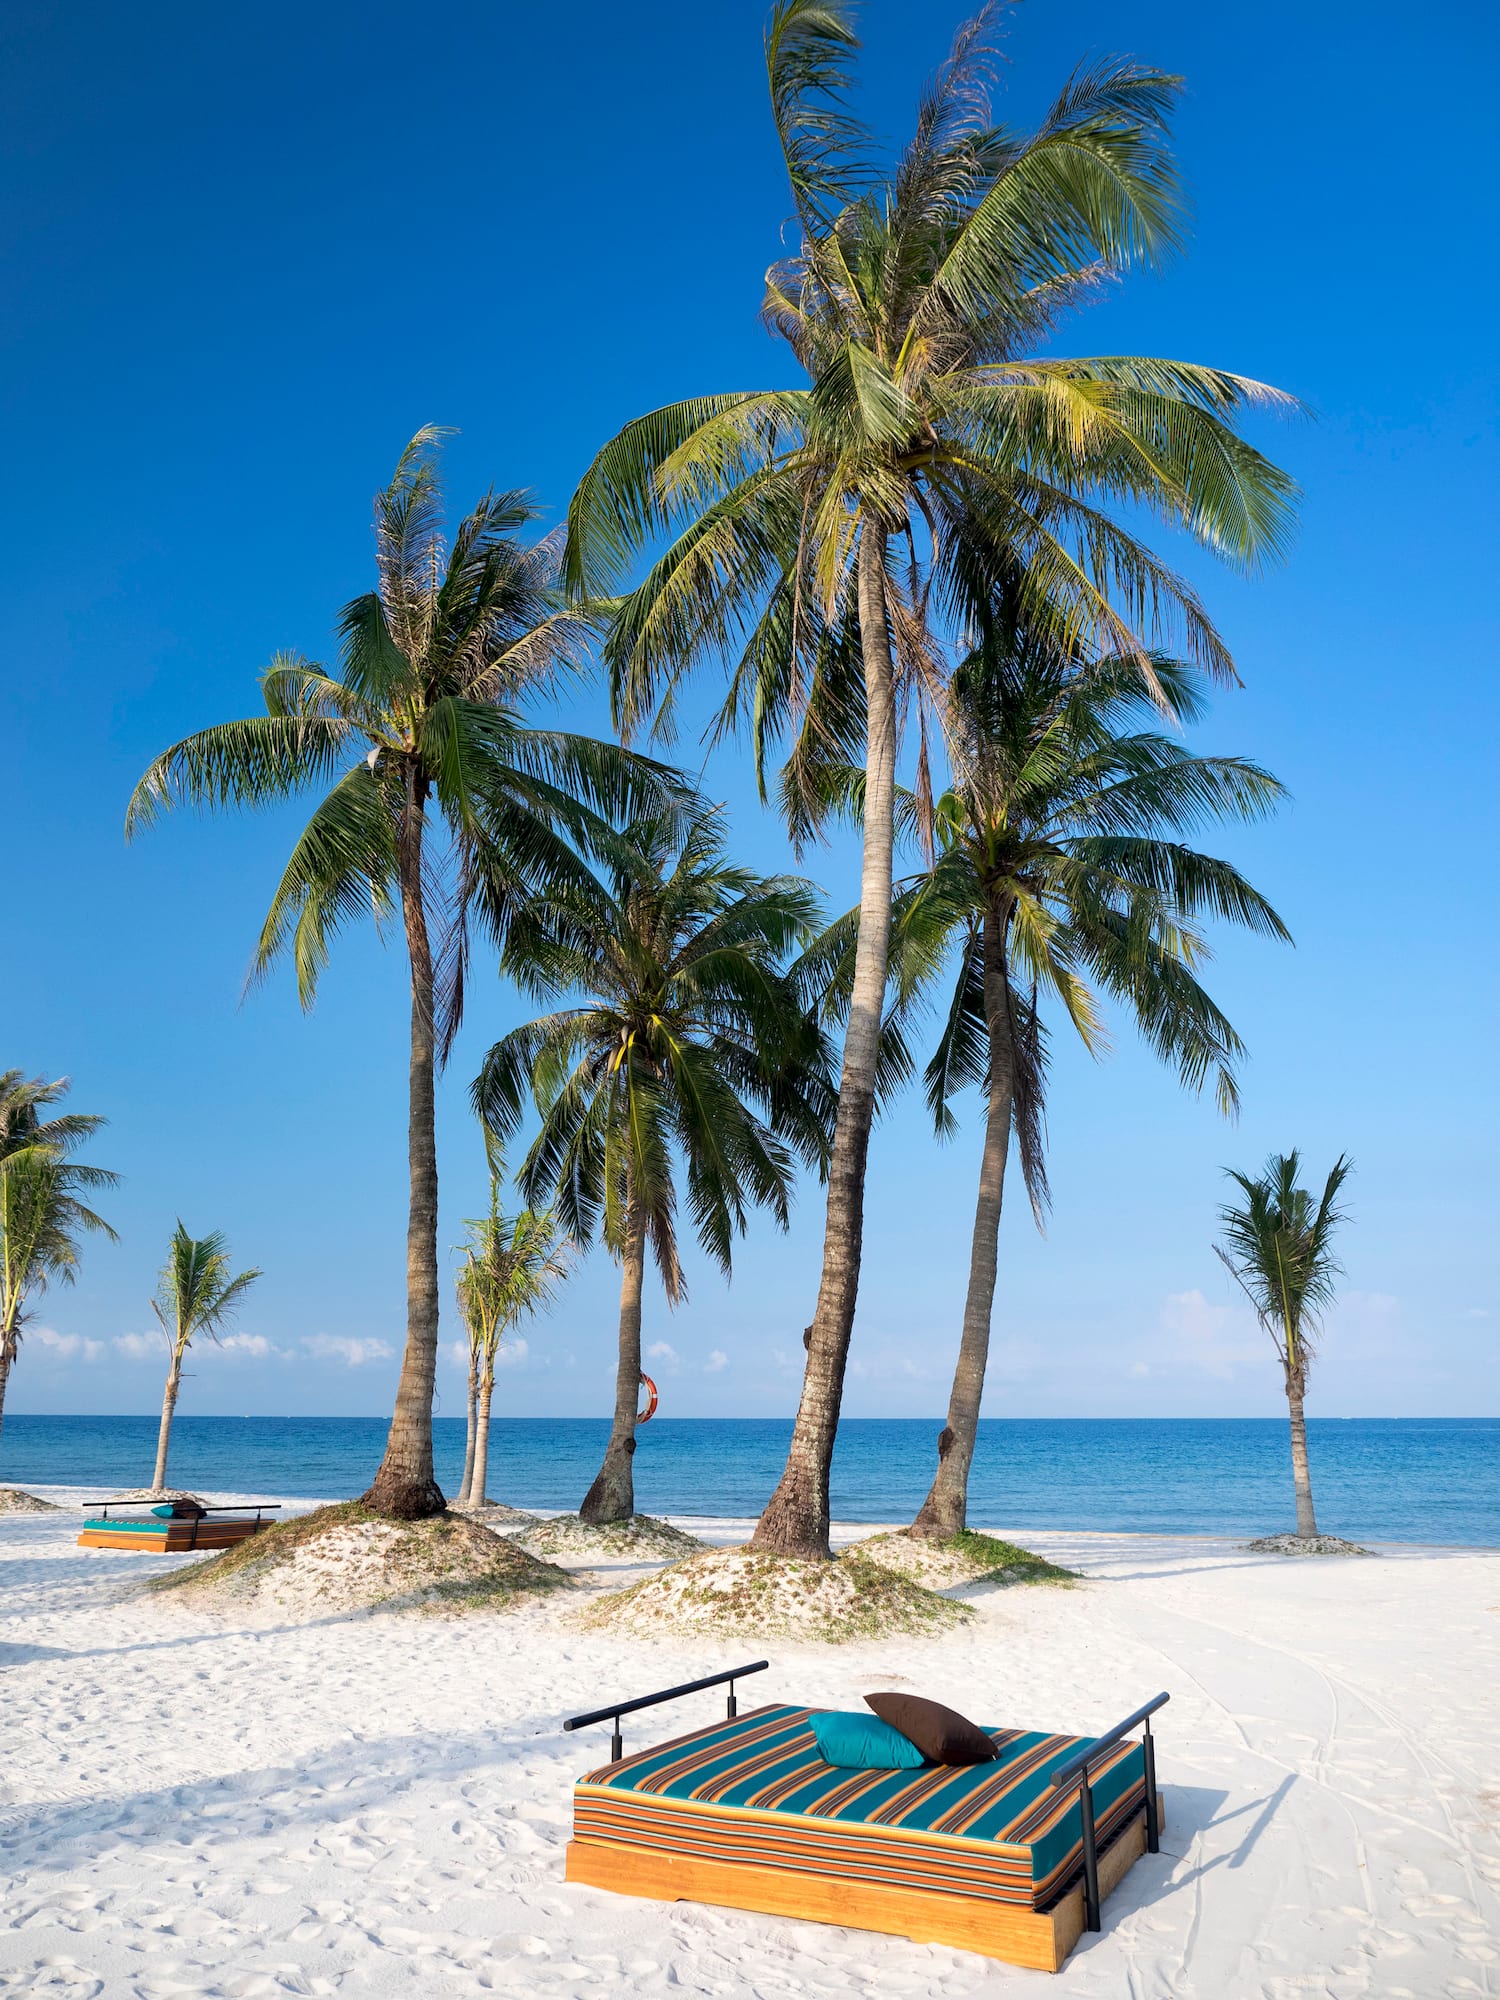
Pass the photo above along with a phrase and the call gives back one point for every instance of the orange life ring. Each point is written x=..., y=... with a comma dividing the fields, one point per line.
x=650, y=1410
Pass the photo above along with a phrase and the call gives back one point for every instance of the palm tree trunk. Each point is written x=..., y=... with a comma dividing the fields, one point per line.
x=612, y=1495
x=168, y=1409
x=405, y=1487
x=8, y=1347
x=1301, y=1475
x=480, y=1479
x=473, y=1401
x=945, y=1511
x=795, y=1522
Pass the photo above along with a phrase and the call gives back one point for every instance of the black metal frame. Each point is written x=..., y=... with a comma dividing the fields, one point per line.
x=1078, y=1767
x=614, y=1710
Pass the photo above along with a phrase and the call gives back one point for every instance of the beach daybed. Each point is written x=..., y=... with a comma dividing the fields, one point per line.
x=1011, y=1858
x=173, y=1526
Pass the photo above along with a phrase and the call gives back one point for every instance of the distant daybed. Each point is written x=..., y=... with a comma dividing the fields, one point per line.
x=170, y=1527
x=1011, y=1857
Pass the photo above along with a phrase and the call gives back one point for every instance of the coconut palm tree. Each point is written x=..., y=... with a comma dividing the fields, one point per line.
x=440, y=805
x=1060, y=878
x=828, y=539
x=41, y=1213
x=512, y=1267
x=1278, y=1248
x=195, y=1295
x=690, y=1056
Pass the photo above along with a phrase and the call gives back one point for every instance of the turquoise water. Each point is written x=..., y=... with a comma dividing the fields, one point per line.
x=1409, y=1479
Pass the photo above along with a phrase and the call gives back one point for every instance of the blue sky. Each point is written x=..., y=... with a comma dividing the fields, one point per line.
x=247, y=252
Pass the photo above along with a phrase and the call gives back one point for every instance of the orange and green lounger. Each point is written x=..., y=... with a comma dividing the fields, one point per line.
x=993, y=1857
x=171, y=1528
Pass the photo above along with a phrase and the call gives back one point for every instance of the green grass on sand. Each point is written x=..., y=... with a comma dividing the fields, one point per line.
x=966, y=1558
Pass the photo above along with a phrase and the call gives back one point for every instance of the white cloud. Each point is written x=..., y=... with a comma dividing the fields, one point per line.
x=65, y=1345
x=1213, y=1340
x=1138, y=1368
x=352, y=1351
x=664, y=1354
x=140, y=1346
x=248, y=1343
x=1477, y=1312
x=512, y=1354
x=716, y=1363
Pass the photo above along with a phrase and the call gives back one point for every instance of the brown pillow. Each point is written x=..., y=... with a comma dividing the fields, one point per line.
x=941, y=1734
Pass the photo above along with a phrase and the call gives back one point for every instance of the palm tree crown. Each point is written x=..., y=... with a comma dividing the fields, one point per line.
x=1056, y=828
x=1278, y=1245
x=42, y=1210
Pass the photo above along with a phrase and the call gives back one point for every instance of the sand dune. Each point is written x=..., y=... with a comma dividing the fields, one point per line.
x=377, y=1805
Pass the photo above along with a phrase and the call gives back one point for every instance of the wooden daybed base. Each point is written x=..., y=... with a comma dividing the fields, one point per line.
x=1039, y=1939
x=1011, y=1859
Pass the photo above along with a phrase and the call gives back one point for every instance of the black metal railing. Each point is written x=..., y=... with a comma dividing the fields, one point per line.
x=1078, y=1767
x=100, y=1510
x=612, y=1711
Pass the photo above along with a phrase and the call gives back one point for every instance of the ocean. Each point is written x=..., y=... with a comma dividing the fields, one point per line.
x=1414, y=1479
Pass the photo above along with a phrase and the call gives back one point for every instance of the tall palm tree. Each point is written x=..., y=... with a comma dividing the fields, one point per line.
x=440, y=804
x=512, y=1267
x=690, y=1054
x=195, y=1295
x=1059, y=878
x=41, y=1212
x=828, y=539
x=1279, y=1249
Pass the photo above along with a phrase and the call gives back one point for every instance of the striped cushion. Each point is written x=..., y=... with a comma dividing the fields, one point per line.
x=755, y=1790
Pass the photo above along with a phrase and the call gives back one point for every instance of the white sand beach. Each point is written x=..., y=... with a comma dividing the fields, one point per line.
x=378, y=1805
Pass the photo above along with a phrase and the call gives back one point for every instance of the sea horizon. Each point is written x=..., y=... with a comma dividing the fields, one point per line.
x=1427, y=1480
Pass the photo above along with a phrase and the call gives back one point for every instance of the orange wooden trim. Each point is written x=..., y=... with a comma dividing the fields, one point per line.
x=1040, y=1939
x=177, y=1539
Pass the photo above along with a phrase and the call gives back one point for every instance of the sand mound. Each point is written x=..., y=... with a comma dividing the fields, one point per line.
x=751, y=1593
x=967, y=1557
x=16, y=1500
x=346, y=1559
x=1305, y=1545
x=567, y=1539
x=498, y=1515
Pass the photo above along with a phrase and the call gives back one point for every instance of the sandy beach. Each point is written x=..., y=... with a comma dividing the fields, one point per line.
x=378, y=1805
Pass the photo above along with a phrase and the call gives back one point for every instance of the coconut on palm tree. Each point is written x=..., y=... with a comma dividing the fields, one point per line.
x=688, y=1060
x=439, y=804
x=196, y=1295
x=1060, y=881
x=42, y=1213
x=1278, y=1246
x=512, y=1267
x=830, y=539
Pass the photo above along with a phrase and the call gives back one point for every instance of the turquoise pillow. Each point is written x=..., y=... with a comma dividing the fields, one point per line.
x=163, y=1513
x=863, y=1743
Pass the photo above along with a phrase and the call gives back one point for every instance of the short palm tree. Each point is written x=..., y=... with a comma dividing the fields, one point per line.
x=827, y=538
x=1060, y=878
x=440, y=805
x=195, y=1295
x=42, y=1214
x=512, y=1267
x=690, y=1055
x=1278, y=1247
